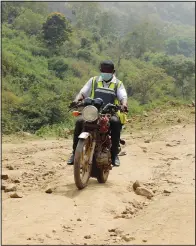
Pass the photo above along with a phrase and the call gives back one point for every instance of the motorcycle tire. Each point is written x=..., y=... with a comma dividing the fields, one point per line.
x=102, y=175
x=82, y=155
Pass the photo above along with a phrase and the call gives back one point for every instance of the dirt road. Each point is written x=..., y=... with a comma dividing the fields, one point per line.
x=108, y=213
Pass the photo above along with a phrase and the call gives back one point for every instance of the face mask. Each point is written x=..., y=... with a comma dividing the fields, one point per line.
x=106, y=76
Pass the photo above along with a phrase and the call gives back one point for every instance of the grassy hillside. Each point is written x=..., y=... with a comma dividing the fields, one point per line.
x=47, y=57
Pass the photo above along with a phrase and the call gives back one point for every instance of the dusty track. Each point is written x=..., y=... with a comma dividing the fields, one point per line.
x=67, y=215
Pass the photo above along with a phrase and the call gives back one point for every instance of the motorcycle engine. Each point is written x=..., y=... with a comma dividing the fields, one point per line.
x=103, y=157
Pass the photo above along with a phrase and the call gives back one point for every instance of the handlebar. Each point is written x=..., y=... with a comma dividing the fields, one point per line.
x=110, y=107
x=107, y=108
x=76, y=106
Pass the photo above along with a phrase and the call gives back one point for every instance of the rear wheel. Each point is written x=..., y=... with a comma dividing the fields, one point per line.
x=82, y=168
x=102, y=175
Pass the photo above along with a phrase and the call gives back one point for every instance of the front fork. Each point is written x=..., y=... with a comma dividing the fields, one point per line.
x=85, y=135
x=92, y=151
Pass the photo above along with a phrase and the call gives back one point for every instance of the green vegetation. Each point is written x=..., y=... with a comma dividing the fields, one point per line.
x=50, y=49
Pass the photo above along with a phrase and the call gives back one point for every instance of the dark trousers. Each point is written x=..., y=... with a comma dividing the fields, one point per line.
x=115, y=126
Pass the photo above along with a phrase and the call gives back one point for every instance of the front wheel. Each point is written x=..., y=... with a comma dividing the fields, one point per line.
x=82, y=167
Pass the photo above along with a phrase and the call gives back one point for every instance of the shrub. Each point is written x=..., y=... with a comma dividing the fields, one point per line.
x=59, y=65
x=29, y=22
x=84, y=54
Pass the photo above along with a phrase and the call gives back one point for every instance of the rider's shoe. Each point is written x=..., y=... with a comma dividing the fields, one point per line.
x=116, y=161
x=119, y=149
x=71, y=160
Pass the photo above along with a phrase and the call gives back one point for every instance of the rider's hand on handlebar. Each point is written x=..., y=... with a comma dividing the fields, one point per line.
x=73, y=104
x=124, y=108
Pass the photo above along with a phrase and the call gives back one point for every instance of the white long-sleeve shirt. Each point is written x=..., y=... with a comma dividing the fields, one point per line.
x=121, y=92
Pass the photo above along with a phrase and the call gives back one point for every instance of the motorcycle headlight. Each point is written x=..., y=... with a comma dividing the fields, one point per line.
x=90, y=113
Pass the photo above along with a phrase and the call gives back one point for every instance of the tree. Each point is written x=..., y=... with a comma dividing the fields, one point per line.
x=183, y=73
x=37, y=7
x=182, y=69
x=56, y=30
x=145, y=37
x=172, y=46
x=10, y=10
x=180, y=45
x=85, y=43
x=29, y=22
x=148, y=78
x=86, y=13
x=106, y=23
x=187, y=46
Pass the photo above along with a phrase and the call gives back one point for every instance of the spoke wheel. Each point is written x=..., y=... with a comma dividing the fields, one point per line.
x=102, y=175
x=82, y=167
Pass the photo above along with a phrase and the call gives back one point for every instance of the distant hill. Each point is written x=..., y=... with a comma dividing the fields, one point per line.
x=50, y=49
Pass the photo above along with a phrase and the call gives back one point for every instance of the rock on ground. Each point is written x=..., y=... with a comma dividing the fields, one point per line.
x=4, y=176
x=16, y=195
x=127, y=238
x=10, y=187
x=87, y=236
x=136, y=184
x=144, y=192
x=49, y=190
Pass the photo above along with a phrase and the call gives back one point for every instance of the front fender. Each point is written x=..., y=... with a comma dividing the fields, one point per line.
x=84, y=135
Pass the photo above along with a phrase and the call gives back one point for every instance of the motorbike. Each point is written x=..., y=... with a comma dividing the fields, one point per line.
x=92, y=155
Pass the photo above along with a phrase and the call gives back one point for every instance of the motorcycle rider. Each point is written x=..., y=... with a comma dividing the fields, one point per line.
x=111, y=90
